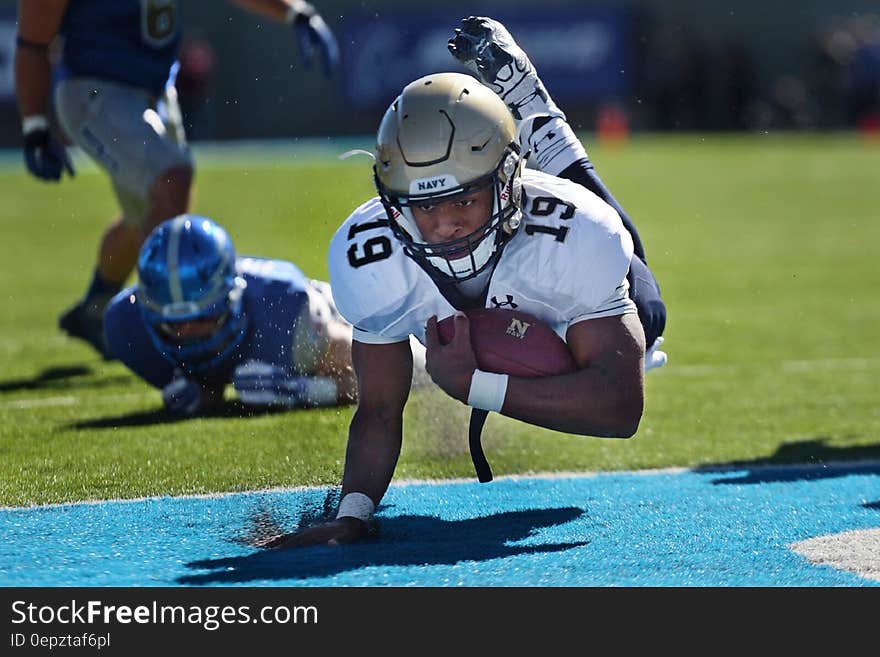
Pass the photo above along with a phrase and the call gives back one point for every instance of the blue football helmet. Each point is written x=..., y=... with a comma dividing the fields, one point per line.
x=187, y=271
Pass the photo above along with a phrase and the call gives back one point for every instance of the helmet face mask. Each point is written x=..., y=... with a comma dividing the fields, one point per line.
x=447, y=136
x=187, y=273
x=193, y=330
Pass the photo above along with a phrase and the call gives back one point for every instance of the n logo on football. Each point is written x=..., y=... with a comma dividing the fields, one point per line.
x=518, y=328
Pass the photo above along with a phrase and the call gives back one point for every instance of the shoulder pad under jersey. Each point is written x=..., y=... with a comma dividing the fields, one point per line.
x=375, y=285
x=574, y=246
x=270, y=270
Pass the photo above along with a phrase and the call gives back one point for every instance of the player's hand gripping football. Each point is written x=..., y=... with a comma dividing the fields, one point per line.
x=451, y=365
x=335, y=532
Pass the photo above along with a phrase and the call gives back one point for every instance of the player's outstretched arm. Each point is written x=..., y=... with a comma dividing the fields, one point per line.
x=384, y=375
x=605, y=397
x=38, y=24
x=313, y=35
x=335, y=362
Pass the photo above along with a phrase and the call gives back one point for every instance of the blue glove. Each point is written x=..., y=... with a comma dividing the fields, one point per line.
x=261, y=383
x=311, y=33
x=45, y=156
x=182, y=396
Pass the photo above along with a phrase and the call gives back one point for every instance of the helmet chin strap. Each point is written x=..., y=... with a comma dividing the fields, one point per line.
x=511, y=224
x=514, y=176
x=475, y=431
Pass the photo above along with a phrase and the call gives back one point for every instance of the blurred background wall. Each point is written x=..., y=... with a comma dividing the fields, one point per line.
x=635, y=65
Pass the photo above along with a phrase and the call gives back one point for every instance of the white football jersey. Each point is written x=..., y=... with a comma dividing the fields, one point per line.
x=567, y=263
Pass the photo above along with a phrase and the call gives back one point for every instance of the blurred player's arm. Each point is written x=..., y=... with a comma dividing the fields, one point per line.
x=38, y=25
x=320, y=373
x=274, y=9
x=322, y=342
x=263, y=384
x=336, y=361
x=384, y=375
x=312, y=32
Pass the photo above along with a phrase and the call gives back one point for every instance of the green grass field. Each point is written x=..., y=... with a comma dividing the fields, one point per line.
x=767, y=249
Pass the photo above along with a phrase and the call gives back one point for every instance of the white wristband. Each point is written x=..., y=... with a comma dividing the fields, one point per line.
x=356, y=505
x=487, y=391
x=34, y=122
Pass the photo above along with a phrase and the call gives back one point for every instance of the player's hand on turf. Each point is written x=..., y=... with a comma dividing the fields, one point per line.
x=335, y=532
x=312, y=33
x=45, y=156
x=452, y=365
x=183, y=396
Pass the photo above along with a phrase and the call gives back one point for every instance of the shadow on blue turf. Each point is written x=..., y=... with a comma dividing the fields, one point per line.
x=402, y=541
x=800, y=461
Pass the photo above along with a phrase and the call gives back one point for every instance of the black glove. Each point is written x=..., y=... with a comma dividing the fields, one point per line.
x=182, y=396
x=45, y=156
x=311, y=33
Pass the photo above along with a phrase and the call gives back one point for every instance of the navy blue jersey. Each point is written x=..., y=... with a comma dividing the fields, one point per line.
x=129, y=41
x=274, y=298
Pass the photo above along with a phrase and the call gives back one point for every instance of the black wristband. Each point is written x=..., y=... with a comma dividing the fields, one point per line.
x=21, y=42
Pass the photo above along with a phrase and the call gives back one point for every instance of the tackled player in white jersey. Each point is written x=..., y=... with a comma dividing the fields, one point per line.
x=459, y=223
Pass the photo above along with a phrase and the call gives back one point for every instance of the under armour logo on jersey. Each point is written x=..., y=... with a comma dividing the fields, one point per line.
x=518, y=328
x=501, y=304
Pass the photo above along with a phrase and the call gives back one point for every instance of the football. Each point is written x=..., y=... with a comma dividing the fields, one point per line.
x=510, y=342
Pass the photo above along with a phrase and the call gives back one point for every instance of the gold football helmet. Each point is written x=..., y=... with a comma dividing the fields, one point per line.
x=447, y=135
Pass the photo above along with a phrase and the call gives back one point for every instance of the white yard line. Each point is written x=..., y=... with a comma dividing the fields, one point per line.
x=825, y=467
x=70, y=400
x=43, y=402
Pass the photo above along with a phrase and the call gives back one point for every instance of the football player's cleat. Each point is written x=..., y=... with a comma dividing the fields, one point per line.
x=187, y=272
x=444, y=136
x=486, y=49
x=84, y=321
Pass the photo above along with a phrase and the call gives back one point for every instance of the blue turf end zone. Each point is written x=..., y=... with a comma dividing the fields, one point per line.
x=669, y=528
